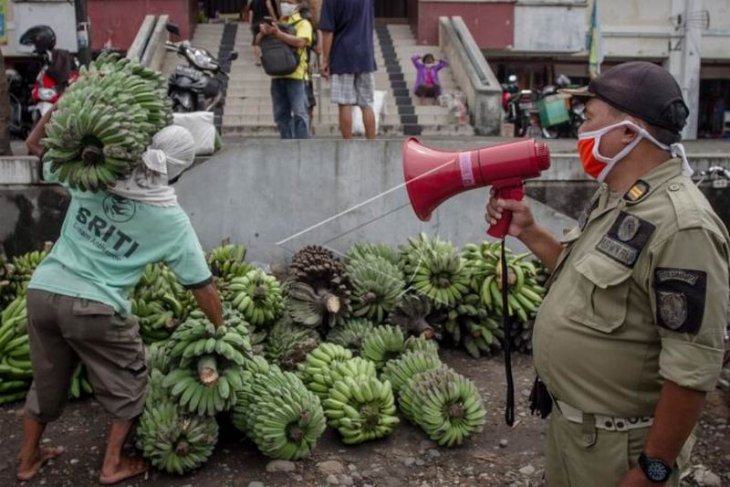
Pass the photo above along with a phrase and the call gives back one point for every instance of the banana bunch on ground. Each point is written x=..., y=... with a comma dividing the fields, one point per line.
x=7, y=292
x=316, y=370
x=258, y=296
x=525, y=292
x=80, y=385
x=353, y=367
x=318, y=293
x=207, y=365
x=362, y=408
x=470, y=325
x=277, y=412
x=412, y=315
x=435, y=268
x=522, y=336
x=377, y=285
x=169, y=439
x=15, y=366
x=446, y=405
x=401, y=370
x=92, y=142
x=287, y=344
x=226, y=262
x=366, y=250
x=351, y=333
x=421, y=344
x=383, y=344
x=22, y=268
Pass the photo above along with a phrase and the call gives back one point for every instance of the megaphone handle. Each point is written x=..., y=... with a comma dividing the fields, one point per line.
x=500, y=229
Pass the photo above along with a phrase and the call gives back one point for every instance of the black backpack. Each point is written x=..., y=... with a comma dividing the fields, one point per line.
x=277, y=57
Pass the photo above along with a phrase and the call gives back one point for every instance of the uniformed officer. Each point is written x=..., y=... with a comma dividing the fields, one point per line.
x=629, y=338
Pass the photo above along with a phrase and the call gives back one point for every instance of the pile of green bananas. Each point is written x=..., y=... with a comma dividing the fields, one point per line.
x=80, y=385
x=170, y=439
x=277, y=412
x=351, y=333
x=383, y=344
x=435, y=268
x=421, y=344
x=317, y=292
x=446, y=405
x=206, y=365
x=15, y=366
x=366, y=250
x=7, y=270
x=22, y=268
x=471, y=325
x=377, y=285
x=361, y=407
x=92, y=142
x=401, y=370
x=258, y=296
x=525, y=293
x=316, y=370
x=226, y=262
x=287, y=344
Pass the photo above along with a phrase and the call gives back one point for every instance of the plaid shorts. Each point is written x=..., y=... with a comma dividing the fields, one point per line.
x=353, y=89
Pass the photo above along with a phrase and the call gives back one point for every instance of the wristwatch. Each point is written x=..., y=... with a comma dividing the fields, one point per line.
x=654, y=468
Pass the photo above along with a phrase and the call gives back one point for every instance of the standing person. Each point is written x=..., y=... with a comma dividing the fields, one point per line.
x=258, y=10
x=349, y=59
x=289, y=93
x=314, y=51
x=427, y=76
x=78, y=298
x=629, y=338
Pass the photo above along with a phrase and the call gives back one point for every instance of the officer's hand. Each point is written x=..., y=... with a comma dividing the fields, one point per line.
x=636, y=478
x=324, y=69
x=522, y=218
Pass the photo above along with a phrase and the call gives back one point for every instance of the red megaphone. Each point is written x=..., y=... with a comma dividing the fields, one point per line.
x=433, y=176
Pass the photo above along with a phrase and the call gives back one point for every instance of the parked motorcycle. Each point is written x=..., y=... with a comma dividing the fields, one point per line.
x=59, y=68
x=19, y=95
x=521, y=109
x=199, y=85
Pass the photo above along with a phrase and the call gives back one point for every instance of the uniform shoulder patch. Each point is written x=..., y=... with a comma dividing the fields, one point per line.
x=680, y=299
x=637, y=192
x=625, y=240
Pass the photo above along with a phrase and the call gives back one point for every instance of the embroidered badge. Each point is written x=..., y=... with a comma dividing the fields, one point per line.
x=626, y=238
x=680, y=299
x=637, y=192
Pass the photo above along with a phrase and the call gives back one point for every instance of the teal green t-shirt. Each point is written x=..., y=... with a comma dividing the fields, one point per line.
x=105, y=243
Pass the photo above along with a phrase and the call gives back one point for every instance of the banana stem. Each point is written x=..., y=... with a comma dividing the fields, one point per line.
x=331, y=302
x=182, y=449
x=421, y=327
x=208, y=370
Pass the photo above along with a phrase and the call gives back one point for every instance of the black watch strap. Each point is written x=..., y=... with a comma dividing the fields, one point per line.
x=654, y=468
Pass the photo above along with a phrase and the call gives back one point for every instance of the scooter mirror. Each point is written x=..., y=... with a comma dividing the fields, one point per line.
x=233, y=56
x=173, y=28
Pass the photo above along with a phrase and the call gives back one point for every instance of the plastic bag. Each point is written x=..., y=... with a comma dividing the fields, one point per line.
x=201, y=126
x=358, y=127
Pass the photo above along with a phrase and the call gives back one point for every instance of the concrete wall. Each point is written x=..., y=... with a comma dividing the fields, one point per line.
x=491, y=22
x=535, y=27
x=20, y=16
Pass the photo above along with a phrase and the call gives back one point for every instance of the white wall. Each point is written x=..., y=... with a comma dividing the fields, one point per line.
x=552, y=28
x=59, y=15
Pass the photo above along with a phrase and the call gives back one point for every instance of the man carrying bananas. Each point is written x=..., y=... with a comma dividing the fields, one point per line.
x=629, y=338
x=78, y=308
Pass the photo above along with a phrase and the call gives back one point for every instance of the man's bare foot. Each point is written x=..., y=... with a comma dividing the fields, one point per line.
x=127, y=468
x=29, y=467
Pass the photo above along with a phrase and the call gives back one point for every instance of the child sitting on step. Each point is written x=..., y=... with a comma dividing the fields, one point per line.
x=427, y=76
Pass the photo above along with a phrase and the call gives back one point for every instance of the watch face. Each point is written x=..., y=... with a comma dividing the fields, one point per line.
x=656, y=471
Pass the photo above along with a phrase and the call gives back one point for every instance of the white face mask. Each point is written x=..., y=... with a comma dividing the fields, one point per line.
x=610, y=162
x=288, y=9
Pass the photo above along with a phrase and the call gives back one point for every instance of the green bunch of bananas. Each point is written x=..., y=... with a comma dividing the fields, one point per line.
x=7, y=270
x=524, y=279
x=287, y=344
x=413, y=315
x=435, y=268
x=315, y=371
x=362, y=408
x=446, y=405
x=206, y=364
x=80, y=385
x=90, y=142
x=377, y=286
x=15, y=366
x=173, y=441
x=22, y=268
x=351, y=333
x=470, y=325
x=383, y=344
x=279, y=414
x=354, y=367
x=367, y=250
x=318, y=293
x=401, y=370
x=226, y=262
x=258, y=296
x=421, y=344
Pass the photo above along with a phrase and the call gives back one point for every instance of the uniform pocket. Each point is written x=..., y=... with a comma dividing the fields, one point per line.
x=602, y=293
x=85, y=307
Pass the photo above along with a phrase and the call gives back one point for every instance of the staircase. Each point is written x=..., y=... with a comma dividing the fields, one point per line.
x=248, y=110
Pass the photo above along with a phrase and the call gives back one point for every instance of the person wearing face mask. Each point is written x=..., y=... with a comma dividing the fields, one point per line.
x=427, y=76
x=629, y=338
x=78, y=298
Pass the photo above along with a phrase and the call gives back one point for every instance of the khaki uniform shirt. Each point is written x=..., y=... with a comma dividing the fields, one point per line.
x=639, y=295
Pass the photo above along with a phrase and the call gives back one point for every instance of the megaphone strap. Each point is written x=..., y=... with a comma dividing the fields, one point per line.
x=509, y=409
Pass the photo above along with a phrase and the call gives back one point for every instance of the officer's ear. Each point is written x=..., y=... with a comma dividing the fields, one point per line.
x=629, y=132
